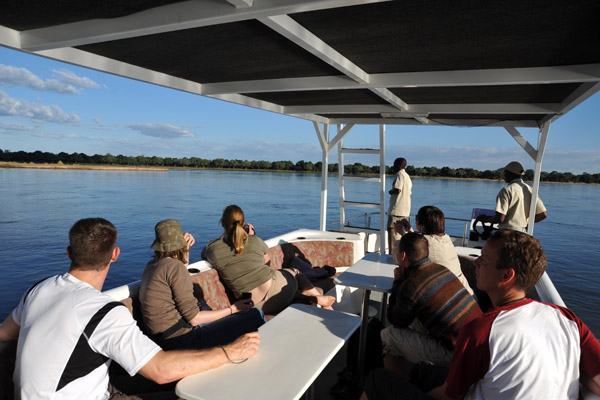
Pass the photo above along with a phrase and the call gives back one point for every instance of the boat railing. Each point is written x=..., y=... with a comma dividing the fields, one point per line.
x=368, y=217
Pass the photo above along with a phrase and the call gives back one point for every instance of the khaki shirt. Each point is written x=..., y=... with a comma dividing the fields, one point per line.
x=243, y=272
x=400, y=202
x=514, y=201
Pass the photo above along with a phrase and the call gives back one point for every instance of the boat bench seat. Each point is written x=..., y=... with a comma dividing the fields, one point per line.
x=208, y=285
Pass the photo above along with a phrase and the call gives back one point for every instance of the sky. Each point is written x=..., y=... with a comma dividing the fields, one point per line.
x=54, y=107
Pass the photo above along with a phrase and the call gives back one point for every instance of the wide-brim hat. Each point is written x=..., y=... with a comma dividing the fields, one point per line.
x=515, y=167
x=169, y=236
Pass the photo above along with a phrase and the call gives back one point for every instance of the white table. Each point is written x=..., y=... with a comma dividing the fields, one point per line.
x=295, y=347
x=468, y=252
x=373, y=272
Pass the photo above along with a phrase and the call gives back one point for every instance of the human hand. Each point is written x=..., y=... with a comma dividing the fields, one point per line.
x=243, y=347
x=242, y=306
x=250, y=229
x=403, y=226
x=189, y=239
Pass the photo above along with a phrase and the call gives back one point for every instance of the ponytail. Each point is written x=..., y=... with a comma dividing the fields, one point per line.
x=233, y=222
x=238, y=236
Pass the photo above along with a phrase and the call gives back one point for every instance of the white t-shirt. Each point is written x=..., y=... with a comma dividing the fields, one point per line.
x=53, y=351
x=400, y=202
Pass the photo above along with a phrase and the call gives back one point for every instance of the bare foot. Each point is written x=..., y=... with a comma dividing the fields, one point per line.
x=325, y=301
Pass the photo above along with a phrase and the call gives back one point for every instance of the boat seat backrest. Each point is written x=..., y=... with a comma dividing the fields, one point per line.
x=317, y=252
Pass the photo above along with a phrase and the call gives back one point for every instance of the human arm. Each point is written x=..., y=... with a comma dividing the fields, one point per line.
x=396, y=185
x=204, y=317
x=401, y=311
x=541, y=216
x=9, y=330
x=593, y=384
x=169, y=366
x=439, y=393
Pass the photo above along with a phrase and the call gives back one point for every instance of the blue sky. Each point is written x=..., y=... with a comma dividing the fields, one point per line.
x=51, y=106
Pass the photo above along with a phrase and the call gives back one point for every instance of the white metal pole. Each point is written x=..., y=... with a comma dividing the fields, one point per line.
x=341, y=180
x=324, y=141
x=382, y=219
x=542, y=138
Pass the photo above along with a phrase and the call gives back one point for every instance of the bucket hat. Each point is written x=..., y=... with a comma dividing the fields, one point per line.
x=515, y=167
x=169, y=236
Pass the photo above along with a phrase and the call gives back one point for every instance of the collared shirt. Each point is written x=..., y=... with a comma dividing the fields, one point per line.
x=514, y=201
x=400, y=202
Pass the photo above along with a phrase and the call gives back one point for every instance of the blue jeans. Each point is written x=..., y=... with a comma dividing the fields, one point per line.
x=217, y=333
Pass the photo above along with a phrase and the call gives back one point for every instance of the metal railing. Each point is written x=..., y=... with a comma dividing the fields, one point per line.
x=369, y=215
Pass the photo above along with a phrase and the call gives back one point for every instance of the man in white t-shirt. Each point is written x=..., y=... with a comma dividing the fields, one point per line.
x=520, y=349
x=514, y=201
x=399, y=208
x=68, y=331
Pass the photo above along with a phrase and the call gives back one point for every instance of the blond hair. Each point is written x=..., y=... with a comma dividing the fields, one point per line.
x=233, y=222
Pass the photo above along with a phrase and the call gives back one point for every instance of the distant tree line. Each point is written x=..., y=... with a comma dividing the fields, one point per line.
x=300, y=166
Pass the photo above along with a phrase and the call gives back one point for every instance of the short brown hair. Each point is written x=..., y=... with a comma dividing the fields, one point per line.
x=432, y=219
x=524, y=254
x=91, y=243
x=414, y=245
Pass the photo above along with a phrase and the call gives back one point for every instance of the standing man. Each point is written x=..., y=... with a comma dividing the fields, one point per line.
x=522, y=348
x=399, y=208
x=68, y=331
x=513, y=201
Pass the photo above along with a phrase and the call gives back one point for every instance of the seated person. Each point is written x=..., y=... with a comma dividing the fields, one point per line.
x=428, y=306
x=521, y=349
x=431, y=222
x=240, y=260
x=170, y=310
x=68, y=331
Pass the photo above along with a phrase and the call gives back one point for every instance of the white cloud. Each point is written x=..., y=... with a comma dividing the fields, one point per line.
x=36, y=112
x=67, y=82
x=79, y=81
x=163, y=131
x=14, y=76
x=15, y=129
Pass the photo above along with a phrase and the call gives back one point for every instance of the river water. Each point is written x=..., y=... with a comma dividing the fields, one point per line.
x=38, y=207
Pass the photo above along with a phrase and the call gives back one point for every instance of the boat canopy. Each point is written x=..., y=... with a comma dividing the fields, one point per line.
x=509, y=63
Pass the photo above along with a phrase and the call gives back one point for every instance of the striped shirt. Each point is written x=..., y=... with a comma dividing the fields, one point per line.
x=433, y=295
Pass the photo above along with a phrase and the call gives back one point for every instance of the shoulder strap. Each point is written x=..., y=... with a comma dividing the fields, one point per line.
x=83, y=359
x=33, y=286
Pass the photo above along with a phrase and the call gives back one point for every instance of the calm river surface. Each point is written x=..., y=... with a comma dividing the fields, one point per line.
x=38, y=207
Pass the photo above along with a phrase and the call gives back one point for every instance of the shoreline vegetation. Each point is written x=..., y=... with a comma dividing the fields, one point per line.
x=81, y=161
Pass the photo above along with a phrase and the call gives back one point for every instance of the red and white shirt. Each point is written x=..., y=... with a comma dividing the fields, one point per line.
x=525, y=350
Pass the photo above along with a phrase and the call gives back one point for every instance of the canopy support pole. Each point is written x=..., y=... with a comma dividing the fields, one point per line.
x=326, y=146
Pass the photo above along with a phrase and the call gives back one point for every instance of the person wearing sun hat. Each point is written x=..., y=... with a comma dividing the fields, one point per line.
x=172, y=315
x=513, y=201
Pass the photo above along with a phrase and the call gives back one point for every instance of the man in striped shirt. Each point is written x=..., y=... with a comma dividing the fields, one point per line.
x=428, y=306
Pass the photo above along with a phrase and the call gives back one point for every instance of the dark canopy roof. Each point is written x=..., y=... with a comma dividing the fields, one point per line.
x=465, y=62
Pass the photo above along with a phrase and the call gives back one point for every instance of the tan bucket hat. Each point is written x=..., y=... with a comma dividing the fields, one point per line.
x=169, y=236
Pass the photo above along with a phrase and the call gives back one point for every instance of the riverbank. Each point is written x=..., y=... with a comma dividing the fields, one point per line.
x=11, y=164
x=4, y=164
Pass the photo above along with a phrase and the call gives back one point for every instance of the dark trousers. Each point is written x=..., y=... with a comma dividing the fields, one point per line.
x=218, y=333
x=383, y=384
